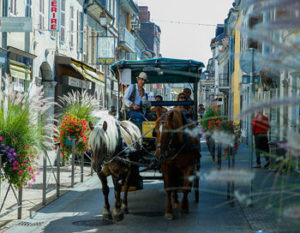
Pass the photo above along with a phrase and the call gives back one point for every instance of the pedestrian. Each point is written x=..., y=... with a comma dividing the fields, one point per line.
x=260, y=128
x=113, y=111
x=136, y=100
x=201, y=110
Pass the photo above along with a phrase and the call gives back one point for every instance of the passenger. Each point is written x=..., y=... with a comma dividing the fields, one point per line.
x=157, y=109
x=162, y=109
x=136, y=100
x=181, y=97
x=188, y=92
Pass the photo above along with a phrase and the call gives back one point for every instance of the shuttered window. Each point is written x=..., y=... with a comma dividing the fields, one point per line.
x=71, y=26
x=41, y=15
x=62, y=21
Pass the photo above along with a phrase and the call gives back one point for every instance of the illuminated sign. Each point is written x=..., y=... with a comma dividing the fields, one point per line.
x=54, y=15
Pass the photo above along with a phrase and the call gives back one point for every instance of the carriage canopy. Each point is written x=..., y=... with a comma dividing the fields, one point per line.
x=161, y=70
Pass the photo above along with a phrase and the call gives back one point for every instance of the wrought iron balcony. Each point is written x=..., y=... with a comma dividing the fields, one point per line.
x=127, y=39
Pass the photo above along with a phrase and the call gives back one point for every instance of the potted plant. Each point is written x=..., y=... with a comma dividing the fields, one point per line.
x=24, y=132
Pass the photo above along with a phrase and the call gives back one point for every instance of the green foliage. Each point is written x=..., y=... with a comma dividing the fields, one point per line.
x=80, y=111
x=211, y=116
x=22, y=135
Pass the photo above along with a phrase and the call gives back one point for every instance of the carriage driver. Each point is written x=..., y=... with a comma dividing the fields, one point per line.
x=136, y=100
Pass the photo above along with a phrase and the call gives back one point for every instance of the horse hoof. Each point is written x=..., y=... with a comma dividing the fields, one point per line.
x=118, y=217
x=169, y=216
x=107, y=216
x=124, y=209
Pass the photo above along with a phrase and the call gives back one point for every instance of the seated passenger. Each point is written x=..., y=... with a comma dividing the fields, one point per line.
x=158, y=109
x=182, y=97
x=187, y=92
x=136, y=100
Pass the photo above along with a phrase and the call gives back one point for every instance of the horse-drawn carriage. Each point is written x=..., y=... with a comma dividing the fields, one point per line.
x=169, y=138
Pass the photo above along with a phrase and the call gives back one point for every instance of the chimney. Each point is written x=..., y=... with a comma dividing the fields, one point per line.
x=144, y=14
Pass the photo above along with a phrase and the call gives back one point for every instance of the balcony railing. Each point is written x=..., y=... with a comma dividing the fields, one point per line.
x=127, y=39
x=223, y=81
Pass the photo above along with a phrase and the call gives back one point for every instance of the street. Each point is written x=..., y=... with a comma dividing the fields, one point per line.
x=80, y=211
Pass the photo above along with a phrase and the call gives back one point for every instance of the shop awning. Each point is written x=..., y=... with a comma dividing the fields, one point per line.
x=87, y=73
x=19, y=70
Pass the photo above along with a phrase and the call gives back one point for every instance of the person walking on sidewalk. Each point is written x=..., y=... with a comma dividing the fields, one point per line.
x=260, y=128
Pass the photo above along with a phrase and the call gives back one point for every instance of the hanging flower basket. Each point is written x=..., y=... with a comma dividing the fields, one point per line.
x=71, y=128
x=69, y=140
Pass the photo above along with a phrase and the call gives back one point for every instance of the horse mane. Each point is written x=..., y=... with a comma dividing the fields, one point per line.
x=131, y=134
x=104, y=138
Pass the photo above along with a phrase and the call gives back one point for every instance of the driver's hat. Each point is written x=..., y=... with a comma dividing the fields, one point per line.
x=143, y=75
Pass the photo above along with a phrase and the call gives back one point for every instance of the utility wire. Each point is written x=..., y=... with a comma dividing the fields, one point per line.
x=181, y=22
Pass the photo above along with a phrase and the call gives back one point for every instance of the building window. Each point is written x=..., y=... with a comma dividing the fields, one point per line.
x=71, y=26
x=13, y=7
x=62, y=21
x=41, y=15
x=79, y=31
x=28, y=8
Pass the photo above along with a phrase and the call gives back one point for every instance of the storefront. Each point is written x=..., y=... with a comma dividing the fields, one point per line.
x=72, y=75
x=20, y=68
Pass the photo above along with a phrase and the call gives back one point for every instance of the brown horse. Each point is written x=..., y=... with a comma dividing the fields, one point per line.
x=178, y=153
x=106, y=142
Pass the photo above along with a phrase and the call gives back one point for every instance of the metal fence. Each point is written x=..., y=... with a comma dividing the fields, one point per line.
x=49, y=172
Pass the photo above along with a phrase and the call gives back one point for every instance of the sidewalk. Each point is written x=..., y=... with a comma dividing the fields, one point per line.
x=272, y=196
x=32, y=197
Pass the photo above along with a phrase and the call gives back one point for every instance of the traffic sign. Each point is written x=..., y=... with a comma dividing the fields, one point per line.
x=246, y=79
x=251, y=59
x=15, y=24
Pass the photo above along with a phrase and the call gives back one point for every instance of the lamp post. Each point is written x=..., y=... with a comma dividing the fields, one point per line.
x=103, y=23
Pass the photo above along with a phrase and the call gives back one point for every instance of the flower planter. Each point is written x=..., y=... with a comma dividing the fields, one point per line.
x=69, y=140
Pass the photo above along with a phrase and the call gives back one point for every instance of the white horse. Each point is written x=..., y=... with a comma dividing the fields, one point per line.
x=107, y=141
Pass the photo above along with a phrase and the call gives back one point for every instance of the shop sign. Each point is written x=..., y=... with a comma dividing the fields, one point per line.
x=54, y=15
x=16, y=24
x=86, y=84
x=106, y=50
x=74, y=82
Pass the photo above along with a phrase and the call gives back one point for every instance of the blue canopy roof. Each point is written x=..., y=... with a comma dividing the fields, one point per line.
x=162, y=70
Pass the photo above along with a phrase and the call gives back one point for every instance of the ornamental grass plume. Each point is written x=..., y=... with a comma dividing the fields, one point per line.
x=76, y=109
x=79, y=104
x=24, y=131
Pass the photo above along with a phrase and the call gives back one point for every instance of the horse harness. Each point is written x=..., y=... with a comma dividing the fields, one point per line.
x=120, y=153
x=169, y=149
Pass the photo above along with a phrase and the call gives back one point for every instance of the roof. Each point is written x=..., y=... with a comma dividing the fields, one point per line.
x=162, y=70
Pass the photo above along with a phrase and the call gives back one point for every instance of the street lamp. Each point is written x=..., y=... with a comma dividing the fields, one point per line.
x=103, y=19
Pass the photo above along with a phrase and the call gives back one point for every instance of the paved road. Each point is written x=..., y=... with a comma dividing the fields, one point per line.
x=79, y=211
